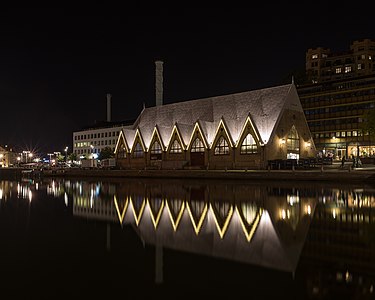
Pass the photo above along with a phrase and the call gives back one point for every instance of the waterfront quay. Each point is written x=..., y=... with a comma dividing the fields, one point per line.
x=333, y=173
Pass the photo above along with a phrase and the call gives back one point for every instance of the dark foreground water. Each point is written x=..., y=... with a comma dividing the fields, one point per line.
x=137, y=239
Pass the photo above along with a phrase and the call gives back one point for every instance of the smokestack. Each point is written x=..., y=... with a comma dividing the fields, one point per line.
x=109, y=107
x=159, y=82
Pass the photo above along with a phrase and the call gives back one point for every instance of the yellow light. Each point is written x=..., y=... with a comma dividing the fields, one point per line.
x=282, y=141
x=137, y=217
x=197, y=227
x=176, y=222
x=222, y=230
x=254, y=225
x=155, y=220
x=121, y=215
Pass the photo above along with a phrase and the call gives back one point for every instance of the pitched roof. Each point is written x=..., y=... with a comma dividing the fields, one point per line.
x=264, y=107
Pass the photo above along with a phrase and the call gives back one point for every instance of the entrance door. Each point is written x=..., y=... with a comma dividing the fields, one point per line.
x=197, y=158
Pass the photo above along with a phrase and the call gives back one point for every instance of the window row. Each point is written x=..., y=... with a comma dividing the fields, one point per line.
x=96, y=135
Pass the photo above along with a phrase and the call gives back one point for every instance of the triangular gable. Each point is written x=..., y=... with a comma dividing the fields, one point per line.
x=176, y=132
x=121, y=139
x=138, y=137
x=121, y=211
x=156, y=134
x=129, y=135
x=218, y=134
x=222, y=222
x=156, y=208
x=249, y=228
x=291, y=102
x=175, y=215
x=185, y=130
x=253, y=131
x=138, y=208
x=197, y=127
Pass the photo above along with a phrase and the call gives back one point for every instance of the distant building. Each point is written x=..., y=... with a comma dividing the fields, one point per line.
x=89, y=141
x=340, y=90
x=7, y=157
x=242, y=130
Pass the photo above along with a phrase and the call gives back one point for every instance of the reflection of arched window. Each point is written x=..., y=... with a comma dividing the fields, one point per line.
x=138, y=150
x=121, y=152
x=155, y=148
x=175, y=147
x=222, y=147
x=293, y=141
x=249, y=145
x=197, y=145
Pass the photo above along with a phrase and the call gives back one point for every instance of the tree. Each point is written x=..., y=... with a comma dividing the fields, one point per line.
x=106, y=152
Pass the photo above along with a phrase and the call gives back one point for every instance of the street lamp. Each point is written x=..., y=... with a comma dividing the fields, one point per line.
x=66, y=154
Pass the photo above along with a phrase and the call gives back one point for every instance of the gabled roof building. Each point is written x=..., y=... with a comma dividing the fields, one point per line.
x=235, y=131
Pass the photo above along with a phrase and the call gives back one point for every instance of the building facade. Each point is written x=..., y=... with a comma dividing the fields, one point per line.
x=236, y=131
x=339, y=92
x=88, y=142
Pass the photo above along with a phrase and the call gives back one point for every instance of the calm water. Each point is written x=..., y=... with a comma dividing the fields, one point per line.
x=150, y=238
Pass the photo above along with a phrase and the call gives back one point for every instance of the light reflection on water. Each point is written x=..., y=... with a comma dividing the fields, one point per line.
x=285, y=227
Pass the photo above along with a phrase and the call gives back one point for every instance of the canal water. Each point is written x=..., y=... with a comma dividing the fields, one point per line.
x=140, y=238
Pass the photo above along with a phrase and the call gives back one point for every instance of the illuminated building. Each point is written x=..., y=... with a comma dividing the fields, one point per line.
x=340, y=90
x=242, y=130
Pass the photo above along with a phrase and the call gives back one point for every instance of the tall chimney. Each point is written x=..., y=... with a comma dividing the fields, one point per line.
x=159, y=82
x=109, y=107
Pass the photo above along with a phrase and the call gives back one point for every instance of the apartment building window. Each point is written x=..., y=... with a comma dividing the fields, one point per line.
x=363, y=56
x=348, y=69
x=338, y=70
x=314, y=56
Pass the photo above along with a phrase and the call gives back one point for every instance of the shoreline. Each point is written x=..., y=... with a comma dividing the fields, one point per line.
x=328, y=174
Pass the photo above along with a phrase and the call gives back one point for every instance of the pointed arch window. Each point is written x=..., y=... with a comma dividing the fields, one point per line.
x=249, y=145
x=293, y=141
x=156, y=148
x=122, y=152
x=175, y=147
x=222, y=147
x=138, y=150
x=197, y=145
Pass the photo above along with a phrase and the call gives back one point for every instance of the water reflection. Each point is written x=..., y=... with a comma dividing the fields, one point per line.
x=321, y=233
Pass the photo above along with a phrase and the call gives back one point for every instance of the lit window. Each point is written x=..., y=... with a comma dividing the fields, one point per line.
x=369, y=57
x=248, y=145
x=138, y=151
x=349, y=133
x=122, y=152
x=343, y=133
x=363, y=56
x=176, y=147
x=222, y=147
x=354, y=132
x=359, y=66
x=348, y=69
x=314, y=56
x=338, y=70
x=197, y=145
x=155, y=148
x=293, y=140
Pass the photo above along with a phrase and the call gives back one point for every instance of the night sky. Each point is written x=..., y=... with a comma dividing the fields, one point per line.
x=57, y=65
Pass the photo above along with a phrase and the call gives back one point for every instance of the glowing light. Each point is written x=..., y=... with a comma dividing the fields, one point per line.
x=308, y=209
x=249, y=234
x=156, y=132
x=30, y=194
x=138, y=217
x=334, y=213
x=176, y=222
x=66, y=199
x=254, y=132
x=197, y=127
x=282, y=142
x=121, y=215
x=156, y=219
x=197, y=226
x=175, y=130
x=222, y=230
x=1, y=194
x=222, y=125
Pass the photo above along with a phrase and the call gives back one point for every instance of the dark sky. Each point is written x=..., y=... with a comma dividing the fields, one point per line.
x=57, y=65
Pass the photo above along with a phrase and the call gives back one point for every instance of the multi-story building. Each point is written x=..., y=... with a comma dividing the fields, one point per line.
x=89, y=141
x=339, y=92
